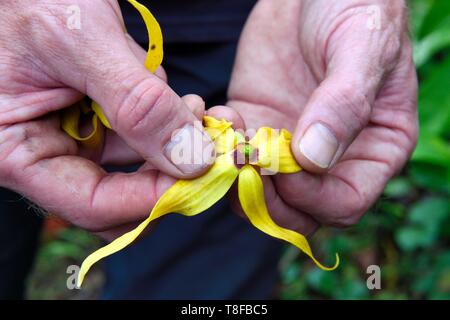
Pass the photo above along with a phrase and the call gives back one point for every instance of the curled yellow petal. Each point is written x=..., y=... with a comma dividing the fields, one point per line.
x=186, y=197
x=274, y=150
x=70, y=121
x=99, y=113
x=221, y=132
x=251, y=196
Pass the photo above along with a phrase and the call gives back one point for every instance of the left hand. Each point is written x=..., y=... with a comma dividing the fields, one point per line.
x=346, y=89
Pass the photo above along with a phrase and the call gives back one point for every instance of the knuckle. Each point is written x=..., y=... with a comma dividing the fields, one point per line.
x=140, y=106
x=45, y=21
x=11, y=139
x=89, y=222
x=392, y=49
x=86, y=223
x=88, y=218
x=350, y=213
x=356, y=104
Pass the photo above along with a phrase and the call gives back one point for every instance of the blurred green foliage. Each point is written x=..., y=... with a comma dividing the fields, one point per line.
x=407, y=232
x=48, y=280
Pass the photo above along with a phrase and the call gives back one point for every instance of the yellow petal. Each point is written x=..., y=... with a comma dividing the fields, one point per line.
x=155, y=51
x=211, y=122
x=187, y=197
x=99, y=112
x=70, y=121
x=226, y=142
x=221, y=132
x=215, y=127
x=251, y=196
x=274, y=150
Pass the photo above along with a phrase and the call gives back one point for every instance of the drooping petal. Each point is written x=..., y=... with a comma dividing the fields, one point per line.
x=186, y=197
x=274, y=150
x=70, y=121
x=251, y=196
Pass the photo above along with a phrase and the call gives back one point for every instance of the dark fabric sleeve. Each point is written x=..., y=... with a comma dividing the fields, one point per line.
x=191, y=21
x=19, y=234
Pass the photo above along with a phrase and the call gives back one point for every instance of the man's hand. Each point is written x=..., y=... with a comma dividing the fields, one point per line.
x=46, y=66
x=340, y=75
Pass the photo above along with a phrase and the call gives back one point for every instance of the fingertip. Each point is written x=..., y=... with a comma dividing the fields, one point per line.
x=190, y=151
x=316, y=148
x=308, y=165
x=161, y=73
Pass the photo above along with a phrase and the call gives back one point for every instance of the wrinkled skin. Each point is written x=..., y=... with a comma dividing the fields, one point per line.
x=300, y=62
x=44, y=67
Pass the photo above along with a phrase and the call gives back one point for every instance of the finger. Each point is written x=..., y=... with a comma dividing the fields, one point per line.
x=114, y=233
x=117, y=152
x=147, y=114
x=196, y=104
x=340, y=107
x=339, y=198
x=39, y=161
x=140, y=107
x=82, y=193
x=141, y=55
x=342, y=196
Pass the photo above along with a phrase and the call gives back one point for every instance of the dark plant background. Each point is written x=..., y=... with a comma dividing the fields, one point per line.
x=407, y=233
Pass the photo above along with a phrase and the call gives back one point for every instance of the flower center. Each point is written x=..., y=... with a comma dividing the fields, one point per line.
x=244, y=154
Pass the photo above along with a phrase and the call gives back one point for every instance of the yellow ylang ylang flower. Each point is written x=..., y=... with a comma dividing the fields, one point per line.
x=237, y=159
x=191, y=197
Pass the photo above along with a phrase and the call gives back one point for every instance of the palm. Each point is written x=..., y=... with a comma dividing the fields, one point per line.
x=278, y=68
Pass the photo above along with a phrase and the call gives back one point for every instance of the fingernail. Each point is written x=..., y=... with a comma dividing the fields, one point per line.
x=190, y=149
x=319, y=145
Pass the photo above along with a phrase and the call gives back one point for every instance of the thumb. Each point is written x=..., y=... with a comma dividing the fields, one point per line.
x=149, y=116
x=334, y=115
x=340, y=108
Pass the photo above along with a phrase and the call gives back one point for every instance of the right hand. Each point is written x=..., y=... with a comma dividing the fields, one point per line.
x=44, y=67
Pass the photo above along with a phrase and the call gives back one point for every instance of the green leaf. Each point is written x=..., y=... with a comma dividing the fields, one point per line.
x=433, y=43
x=432, y=149
x=61, y=249
x=433, y=178
x=322, y=281
x=430, y=212
x=434, y=99
x=424, y=222
x=392, y=212
x=438, y=13
x=291, y=273
x=418, y=10
x=411, y=238
x=398, y=187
